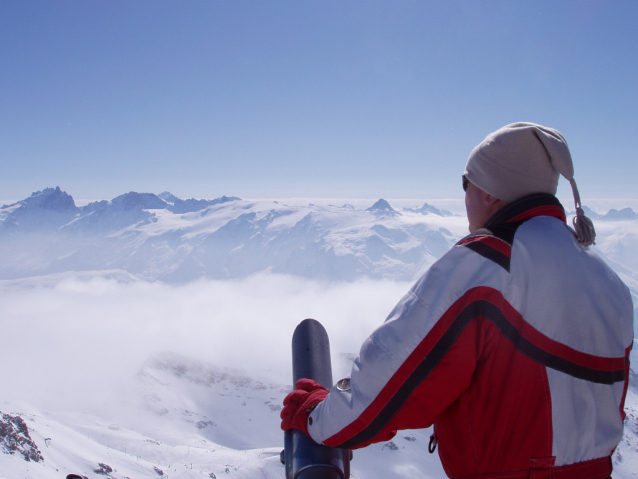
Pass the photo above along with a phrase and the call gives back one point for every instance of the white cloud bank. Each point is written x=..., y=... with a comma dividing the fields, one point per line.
x=74, y=344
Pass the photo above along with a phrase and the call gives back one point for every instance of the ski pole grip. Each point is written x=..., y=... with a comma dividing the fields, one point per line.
x=304, y=458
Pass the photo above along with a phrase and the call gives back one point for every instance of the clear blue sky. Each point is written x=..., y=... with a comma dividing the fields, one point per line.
x=307, y=98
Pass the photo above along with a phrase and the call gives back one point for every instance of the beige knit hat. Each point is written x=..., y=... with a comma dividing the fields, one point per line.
x=524, y=158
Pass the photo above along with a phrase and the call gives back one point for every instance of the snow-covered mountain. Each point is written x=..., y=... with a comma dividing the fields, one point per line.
x=165, y=238
x=162, y=237
x=148, y=336
x=176, y=241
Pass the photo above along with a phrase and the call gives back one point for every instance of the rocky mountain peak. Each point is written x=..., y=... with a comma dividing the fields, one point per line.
x=139, y=201
x=50, y=199
x=168, y=197
x=382, y=206
x=620, y=215
x=427, y=209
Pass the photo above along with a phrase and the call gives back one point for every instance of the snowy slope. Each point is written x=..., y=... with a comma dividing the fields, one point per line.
x=187, y=419
x=191, y=420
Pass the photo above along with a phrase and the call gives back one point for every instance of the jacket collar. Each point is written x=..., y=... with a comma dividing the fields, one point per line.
x=537, y=204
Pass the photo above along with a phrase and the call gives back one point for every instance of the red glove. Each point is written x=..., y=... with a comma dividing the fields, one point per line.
x=299, y=403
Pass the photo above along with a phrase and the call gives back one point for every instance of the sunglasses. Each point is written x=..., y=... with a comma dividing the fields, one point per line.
x=466, y=182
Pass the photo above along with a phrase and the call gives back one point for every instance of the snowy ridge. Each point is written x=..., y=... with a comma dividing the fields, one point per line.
x=184, y=240
x=165, y=238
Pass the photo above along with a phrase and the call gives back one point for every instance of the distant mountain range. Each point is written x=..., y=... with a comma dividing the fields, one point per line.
x=174, y=240
x=162, y=237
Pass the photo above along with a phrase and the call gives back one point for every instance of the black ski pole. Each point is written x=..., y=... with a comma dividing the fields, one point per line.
x=304, y=458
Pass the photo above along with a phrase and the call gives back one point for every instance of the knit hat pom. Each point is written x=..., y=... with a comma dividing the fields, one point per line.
x=585, y=231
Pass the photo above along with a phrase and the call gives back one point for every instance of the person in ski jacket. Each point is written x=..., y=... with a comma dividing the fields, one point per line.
x=515, y=344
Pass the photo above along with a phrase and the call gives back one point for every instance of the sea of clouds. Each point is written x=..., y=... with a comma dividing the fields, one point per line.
x=75, y=344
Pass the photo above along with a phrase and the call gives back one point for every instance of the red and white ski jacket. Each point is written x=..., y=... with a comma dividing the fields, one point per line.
x=515, y=344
